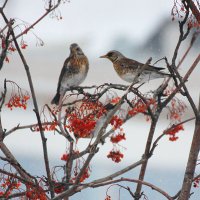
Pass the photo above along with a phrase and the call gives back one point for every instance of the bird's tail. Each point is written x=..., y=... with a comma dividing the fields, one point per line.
x=167, y=75
x=56, y=99
x=163, y=75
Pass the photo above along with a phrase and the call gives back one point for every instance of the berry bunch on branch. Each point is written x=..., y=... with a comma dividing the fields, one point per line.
x=98, y=115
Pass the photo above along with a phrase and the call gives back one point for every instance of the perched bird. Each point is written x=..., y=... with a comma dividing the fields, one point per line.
x=127, y=68
x=73, y=73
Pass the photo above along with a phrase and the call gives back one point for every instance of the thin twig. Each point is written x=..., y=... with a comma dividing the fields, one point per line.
x=4, y=5
x=153, y=187
x=51, y=8
x=44, y=140
x=77, y=188
x=194, y=9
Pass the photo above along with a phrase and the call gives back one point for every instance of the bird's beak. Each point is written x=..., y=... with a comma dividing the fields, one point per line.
x=104, y=56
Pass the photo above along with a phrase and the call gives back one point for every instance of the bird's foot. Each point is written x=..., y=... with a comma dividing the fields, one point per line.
x=80, y=90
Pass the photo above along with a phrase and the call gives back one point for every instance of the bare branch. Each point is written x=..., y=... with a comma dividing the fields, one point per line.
x=51, y=8
x=153, y=187
x=77, y=188
x=194, y=9
x=25, y=175
x=192, y=160
x=4, y=5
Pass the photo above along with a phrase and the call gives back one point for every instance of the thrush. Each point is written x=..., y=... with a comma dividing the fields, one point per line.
x=127, y=68
x=73, y=73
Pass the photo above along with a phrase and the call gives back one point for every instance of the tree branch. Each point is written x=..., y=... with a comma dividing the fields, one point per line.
x=153, y=187
x=194, y=9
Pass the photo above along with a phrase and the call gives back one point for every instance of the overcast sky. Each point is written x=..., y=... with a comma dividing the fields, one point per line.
x=97, y=21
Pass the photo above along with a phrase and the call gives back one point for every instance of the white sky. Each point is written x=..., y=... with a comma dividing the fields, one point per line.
x=96, y=23
x=95, y=20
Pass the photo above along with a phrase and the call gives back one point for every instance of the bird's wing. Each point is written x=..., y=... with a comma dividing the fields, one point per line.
x=149, y=69
x=152, y=68
x=129, y=63
x=64, y=70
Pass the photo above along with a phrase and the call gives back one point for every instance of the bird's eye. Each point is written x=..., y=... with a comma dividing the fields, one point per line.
x=110, y=54
x=77, y=49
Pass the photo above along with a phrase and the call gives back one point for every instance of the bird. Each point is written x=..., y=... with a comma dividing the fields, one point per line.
x=127, y=68
x=73, y=73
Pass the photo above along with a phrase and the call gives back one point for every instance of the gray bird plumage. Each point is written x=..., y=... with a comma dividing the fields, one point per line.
x=127, y=68
x=73, y=73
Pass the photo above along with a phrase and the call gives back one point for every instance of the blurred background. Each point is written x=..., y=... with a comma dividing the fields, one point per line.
x=138, y=29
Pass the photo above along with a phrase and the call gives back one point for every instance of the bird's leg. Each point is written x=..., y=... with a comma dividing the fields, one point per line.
x=80, y=90
x=71, y=89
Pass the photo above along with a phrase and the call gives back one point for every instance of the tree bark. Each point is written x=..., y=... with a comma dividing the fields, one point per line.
x=191, y=164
